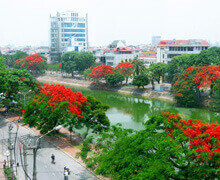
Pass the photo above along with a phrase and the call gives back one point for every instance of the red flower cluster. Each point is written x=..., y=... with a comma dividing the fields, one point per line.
x=125, y=67
x=204, y=75
x=31, y=62
x=22, y=78
x=59, y=93
x=100, y=71
x=203, y=138
x=60, y=66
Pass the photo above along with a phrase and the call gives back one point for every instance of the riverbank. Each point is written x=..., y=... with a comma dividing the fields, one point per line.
x=128, y=89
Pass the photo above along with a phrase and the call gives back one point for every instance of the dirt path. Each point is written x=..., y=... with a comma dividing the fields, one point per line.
x=147, y=92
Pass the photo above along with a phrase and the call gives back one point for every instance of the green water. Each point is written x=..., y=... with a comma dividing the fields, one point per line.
x=131, y=111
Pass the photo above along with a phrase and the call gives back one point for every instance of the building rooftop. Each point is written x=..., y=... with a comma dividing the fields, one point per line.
x=183, y=42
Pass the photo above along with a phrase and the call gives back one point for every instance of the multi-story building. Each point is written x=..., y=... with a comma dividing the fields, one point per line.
x=167, y=49
x=116, y=55
x=68, y=32
x=148, y=57
x=155, y=40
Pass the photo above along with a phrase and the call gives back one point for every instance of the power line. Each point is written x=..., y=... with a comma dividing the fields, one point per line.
x=22, y=165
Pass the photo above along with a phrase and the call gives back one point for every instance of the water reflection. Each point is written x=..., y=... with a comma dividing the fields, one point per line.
x=132, y=111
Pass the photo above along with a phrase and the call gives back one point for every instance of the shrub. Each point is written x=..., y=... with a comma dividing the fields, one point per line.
x=114, y=79
x=140, y=80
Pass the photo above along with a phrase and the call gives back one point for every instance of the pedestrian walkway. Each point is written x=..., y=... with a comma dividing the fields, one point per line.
x=2, y=174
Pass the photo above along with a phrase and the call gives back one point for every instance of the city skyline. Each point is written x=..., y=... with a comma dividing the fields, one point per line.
x=27, y=22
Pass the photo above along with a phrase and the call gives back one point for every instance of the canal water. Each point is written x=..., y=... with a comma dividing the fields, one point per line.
x=132, y=111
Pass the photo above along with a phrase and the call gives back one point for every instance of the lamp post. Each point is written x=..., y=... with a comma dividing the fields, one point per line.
x=24, y=94
x=35, y=148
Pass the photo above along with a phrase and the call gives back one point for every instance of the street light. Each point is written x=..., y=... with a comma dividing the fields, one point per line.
x=24, y=94
x=35, y=148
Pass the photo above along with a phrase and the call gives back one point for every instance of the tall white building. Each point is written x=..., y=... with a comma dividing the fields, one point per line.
x=167, y=49
x=68, y=32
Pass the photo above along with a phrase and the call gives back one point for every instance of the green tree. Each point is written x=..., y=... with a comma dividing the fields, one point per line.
x=68, y=62
x=160, y=151
x=158, y=70
x=74, y=61
x=3, y=73
x=176, y=66
x=179, y=63
x=53, y=67
x=94, y=117
x=208, y=57
x=140, y=80
x=215, y=105
x=86, y=73
x=18, y=81
x=138, y=67
x=20, y=55
x=114, y=79
x=84, y=60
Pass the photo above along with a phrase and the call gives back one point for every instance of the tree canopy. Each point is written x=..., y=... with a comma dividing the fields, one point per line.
x=140, y=80
x=179, y=63
x=74, y=61
x=169, y=147
x=158, y=70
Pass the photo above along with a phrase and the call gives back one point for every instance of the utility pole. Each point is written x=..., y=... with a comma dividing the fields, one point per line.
x=10, y=147
x=25, y=161
x=34, y=163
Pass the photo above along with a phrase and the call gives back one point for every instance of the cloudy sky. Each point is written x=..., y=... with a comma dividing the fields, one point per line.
x=26, y=22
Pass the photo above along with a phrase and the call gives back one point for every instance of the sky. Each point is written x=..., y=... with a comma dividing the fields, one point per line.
x=27, y=22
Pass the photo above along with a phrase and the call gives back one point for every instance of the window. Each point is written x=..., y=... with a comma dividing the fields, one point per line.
x=190, y=49
x=80, y=35
x=68, y=35
x=74, y=30
x=80, y=39
x=81, y=25
x=53, y=24
x=74, y=19
x=67, y=24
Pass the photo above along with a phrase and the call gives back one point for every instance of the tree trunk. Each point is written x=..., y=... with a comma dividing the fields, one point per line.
x=86, y=133
x=152, y=83
x=126, y=80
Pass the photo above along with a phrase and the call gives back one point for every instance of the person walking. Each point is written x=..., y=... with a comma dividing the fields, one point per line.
x=53, y=158
x=66, y=175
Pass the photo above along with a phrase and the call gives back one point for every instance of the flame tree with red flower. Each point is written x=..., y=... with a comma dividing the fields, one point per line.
x=187, y=89
x=126, y=68
x=58, y=105
x=99, y=72
x=35, y=63
x=52, y=106
x=169, y=147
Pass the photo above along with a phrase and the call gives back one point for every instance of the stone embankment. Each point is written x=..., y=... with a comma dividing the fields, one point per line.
x=128, y=89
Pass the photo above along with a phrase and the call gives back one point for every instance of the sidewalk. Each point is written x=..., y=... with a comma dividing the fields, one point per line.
x=2, y=174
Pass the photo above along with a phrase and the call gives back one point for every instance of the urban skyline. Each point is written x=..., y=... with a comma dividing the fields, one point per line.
x=133, y=21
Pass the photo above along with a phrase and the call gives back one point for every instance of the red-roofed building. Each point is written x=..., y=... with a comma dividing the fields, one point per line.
x=167, y=49
x=149, y=57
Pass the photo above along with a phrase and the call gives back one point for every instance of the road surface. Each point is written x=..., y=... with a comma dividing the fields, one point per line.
x=45, y=169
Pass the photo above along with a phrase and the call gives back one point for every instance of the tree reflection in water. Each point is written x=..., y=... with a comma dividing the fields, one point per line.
x=132, y=110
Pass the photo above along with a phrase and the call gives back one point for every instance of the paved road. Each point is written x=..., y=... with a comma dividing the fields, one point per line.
x=45, y=169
